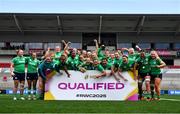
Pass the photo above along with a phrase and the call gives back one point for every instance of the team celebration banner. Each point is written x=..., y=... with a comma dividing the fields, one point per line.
x=84, y=86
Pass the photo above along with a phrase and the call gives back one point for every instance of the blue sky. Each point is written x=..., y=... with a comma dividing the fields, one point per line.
x=91, y=6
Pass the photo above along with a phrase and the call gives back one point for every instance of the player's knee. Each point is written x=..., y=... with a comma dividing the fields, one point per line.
x=147, y=80
x=21, y=86
x=147, y=84
x=16, y=86
x=156, y=83
x=156, y=86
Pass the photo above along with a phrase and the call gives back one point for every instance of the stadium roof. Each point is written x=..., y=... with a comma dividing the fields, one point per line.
x=60, y=23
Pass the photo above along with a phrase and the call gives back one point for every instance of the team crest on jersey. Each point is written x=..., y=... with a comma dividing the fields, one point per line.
x=21, y=61
x=32, y=64
x=125, y=67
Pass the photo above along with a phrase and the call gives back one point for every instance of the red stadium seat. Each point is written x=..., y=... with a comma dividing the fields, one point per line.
x=4, y=65
x=5, y=78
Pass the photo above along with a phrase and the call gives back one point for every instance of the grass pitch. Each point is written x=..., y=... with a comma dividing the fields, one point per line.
x=168, y=104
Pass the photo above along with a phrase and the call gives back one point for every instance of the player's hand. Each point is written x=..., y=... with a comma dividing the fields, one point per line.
x=62, y=41
x=69, y=75
x=124, y=48
x=93, y=76
x=98, y=76
x=112, y=73
x=69, y=43
x=137, y=47
x=83, y=70
x=12, y=74
x=95, y=40
x=48, y=49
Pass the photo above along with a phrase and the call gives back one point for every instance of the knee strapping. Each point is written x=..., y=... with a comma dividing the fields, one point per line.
x=147, y=80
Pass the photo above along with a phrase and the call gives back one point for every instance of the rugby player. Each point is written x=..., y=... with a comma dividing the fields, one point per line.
x=18, y=74
x=156, y=75
x=32, y=74
x=59, y=52
x=99, y=50
x=97, y=66
x=43, y=69
x=62, y=65
x=143, y=67
x=126, y=65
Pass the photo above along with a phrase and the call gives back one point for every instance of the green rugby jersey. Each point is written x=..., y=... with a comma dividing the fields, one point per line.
x=19, y=64
x=32, y=65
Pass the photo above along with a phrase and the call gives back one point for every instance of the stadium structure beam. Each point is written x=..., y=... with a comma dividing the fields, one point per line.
x=177, y=29
x=41, y=30
x=140, y=24
x=60, y=26
x=17, y=24
x=100, y=28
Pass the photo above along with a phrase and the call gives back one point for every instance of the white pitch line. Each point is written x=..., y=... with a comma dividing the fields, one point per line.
x=169, y=99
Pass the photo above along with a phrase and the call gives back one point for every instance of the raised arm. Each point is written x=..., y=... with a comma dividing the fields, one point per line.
x=120, y=74
x=138, y=48
x=46, y=53
x=65, y=69
x=66, y=46
x=96, y=43
x=103, y=73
